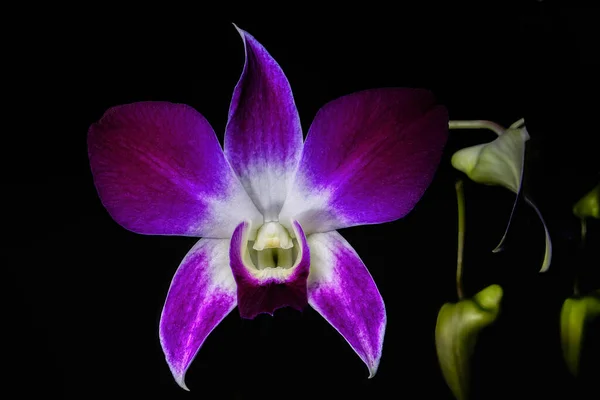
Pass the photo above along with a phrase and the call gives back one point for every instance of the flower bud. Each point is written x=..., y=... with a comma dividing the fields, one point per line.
x=573, y=317
x=456, y=331
x=589, y=205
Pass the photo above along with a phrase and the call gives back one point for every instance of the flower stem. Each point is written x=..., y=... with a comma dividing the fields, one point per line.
x=477, y=124
x=460, y=198
x=583, y=231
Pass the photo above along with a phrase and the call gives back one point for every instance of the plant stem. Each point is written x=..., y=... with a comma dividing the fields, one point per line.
x=460, y=197
x=583, y=231
x=477, y=124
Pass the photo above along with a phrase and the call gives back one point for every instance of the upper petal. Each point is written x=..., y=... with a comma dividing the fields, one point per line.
x=368, y=159
x=159, y=170
x=202, y=293
x=341, y=289
x=263, y=139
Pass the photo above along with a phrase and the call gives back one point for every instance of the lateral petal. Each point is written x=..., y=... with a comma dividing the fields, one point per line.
x=202, y=293
x=341, y=289
x=159, y=170
x=368, y=158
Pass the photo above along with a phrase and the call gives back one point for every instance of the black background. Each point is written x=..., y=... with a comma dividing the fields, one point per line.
x=83, y=296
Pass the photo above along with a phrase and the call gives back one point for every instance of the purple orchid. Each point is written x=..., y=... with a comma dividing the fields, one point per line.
x=268, y=206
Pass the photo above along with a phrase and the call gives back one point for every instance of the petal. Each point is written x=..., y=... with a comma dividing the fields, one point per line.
x=341, y=289
x=499, y=162
x=368, y=159
x=548, y=242
x=265, y=290
x=263, y=139
x=159, y=170
x=202, y=293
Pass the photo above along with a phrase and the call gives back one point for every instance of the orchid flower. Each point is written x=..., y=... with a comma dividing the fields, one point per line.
x=267, y=206
x=499, y=163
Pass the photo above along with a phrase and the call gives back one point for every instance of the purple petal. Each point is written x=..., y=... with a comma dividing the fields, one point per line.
x=265, y=290
x=341, y=289
x=368, y=159
x=159, y=170
x=202, y=293
x=263, y=139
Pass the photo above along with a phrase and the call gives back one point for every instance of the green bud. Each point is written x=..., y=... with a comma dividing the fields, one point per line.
x=589, y=205
x=573, y=317
x=456, y=331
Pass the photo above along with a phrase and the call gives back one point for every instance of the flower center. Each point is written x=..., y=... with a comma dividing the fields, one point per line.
x=273, y=247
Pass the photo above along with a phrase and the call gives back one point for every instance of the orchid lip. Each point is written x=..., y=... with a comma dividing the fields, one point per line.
x=271, y=278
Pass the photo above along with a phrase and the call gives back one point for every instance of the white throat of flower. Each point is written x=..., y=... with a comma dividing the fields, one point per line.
x=273, y=253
